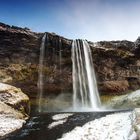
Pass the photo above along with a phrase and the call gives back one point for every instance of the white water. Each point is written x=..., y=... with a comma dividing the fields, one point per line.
x=40, y=71
x=85, y=92
x=60, y=61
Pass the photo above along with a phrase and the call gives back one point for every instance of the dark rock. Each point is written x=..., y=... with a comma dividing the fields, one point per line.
x=114, y=87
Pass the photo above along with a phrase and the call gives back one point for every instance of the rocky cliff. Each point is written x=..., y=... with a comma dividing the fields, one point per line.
x=116, y=63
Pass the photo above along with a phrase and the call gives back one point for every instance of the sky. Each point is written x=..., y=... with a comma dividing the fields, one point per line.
x=94, y=20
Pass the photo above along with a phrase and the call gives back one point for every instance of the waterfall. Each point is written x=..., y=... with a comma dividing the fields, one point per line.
x=60, y=61
x=40, y=71
x=85, y=92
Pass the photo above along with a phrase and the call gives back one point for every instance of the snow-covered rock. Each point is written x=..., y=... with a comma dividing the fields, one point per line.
x=116, y=126
x=59, y=119
x=10, y=119
x=14, y=109
x=56, y=123
x=61, y=116
x=9, y=124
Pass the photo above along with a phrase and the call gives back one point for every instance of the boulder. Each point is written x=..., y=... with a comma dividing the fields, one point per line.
x=14, y=109
x=10, y=120
x=14, y=97
x=128, y=101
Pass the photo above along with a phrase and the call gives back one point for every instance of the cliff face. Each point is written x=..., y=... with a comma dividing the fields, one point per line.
x=116, y=63
x=19, y=51
x=19, y=60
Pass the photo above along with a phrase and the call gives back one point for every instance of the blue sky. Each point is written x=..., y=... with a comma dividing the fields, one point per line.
x=94, y=20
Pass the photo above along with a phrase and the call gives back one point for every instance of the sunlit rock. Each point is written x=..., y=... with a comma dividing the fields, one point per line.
x=14, y=109
x=14, y=97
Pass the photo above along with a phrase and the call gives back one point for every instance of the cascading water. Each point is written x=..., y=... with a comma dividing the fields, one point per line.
x=40, y=71
x=60, y=61
x=85, y=92
x=50, y=57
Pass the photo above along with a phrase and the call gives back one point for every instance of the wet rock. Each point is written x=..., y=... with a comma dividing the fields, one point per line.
x=115, y=87
x=134, y=82
x=131, y=100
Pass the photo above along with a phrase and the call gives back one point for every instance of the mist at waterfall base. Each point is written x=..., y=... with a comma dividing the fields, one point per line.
x=85, y=96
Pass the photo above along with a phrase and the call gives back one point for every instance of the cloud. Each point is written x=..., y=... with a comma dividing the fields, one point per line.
x=101, y=20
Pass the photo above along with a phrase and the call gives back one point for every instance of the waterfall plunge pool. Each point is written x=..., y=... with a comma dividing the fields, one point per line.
x=37, y=127
x=42, y=126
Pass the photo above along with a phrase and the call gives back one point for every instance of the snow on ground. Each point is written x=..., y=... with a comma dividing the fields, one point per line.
x=9, y=124
x=117, y=126
x=54, y=124
x=61, y=116
x=59, y=119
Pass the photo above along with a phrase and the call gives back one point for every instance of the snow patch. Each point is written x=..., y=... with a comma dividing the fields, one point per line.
x=9, y=124
x=59, y=119
x=61, y=116
x=56, y=123
x=116, y=126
